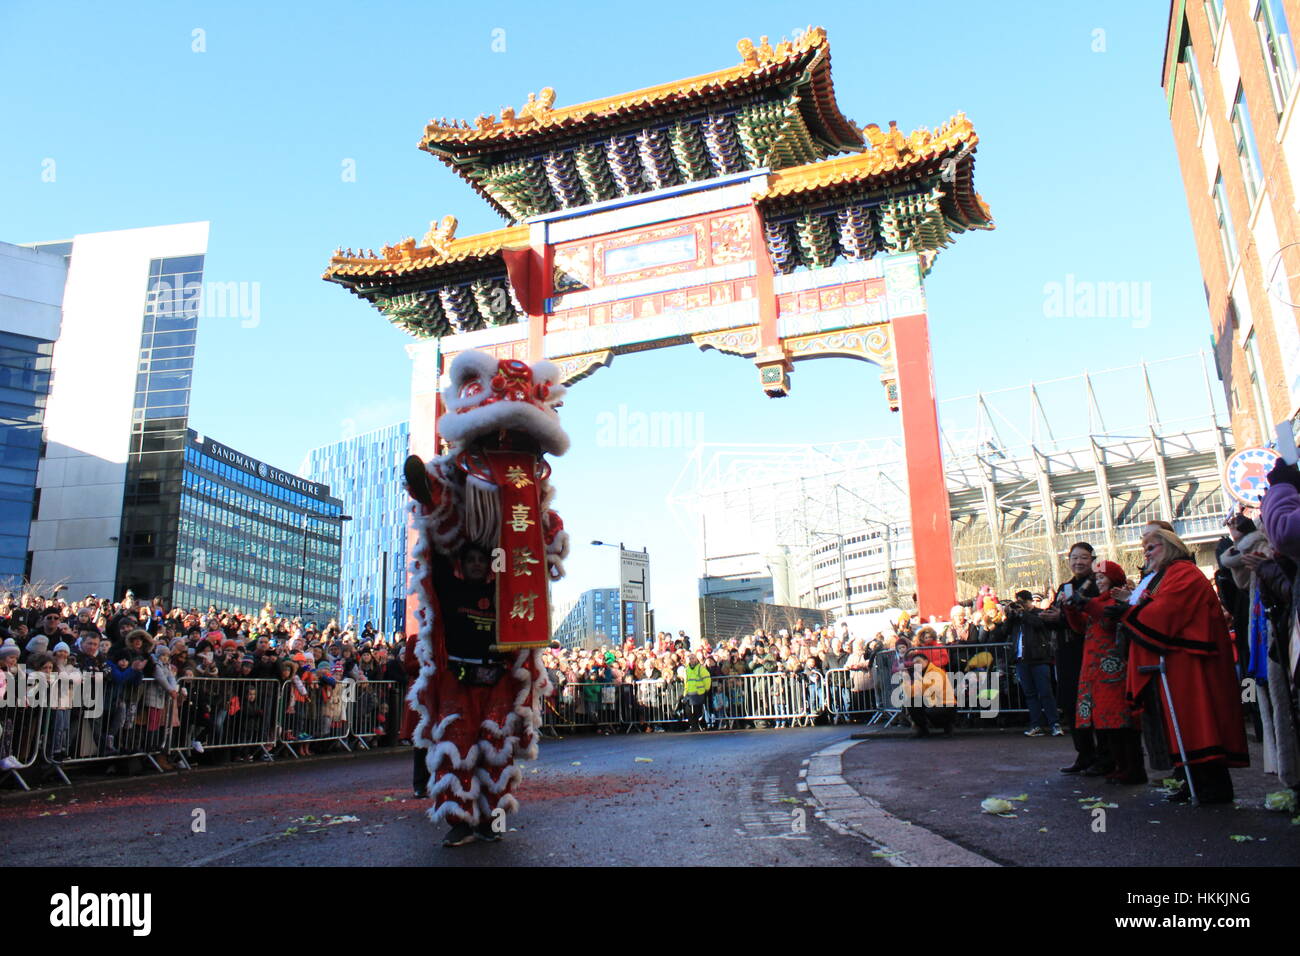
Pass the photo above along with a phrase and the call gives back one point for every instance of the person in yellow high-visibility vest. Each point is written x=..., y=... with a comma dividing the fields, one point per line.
x=697, y=679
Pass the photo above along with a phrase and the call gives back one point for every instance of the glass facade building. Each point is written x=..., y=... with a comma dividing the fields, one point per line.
x=251, y=535
x=148, y=549
x=24, y=391
x=365, y=472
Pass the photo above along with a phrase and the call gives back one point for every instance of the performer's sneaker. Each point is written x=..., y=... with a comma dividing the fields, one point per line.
x=485, y=832
x=421, y=794
x=1036, y=732
x=459, y=835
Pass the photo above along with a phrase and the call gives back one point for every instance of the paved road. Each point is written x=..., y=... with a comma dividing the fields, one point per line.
x=939, y=783
x=718, y=798
x=731, y=798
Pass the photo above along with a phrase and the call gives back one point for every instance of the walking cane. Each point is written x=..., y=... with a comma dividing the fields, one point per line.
x=1173, y=716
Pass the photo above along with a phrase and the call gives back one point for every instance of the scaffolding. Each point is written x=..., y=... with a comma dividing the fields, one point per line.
x=1029, y=470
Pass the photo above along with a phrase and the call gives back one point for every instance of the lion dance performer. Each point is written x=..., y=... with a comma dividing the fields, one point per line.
x=487, y=549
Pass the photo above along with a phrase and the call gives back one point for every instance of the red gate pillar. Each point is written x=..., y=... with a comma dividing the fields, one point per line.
x=936, y=578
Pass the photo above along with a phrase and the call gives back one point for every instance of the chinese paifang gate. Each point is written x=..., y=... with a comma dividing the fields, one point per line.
x=491, y=490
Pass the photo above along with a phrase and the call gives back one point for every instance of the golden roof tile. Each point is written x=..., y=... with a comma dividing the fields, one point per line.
x=889, y=151
x=440, y=248
x=539, y=114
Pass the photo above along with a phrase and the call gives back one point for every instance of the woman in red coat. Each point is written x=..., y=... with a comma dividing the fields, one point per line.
x=1102, y=702
x=1177, y=618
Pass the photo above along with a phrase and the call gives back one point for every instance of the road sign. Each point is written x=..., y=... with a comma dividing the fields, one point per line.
x=634, y=576
x=1246, y=474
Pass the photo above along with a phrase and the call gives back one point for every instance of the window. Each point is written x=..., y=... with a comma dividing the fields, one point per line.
x=1194, y=86
x=1214, y=13
x=1262, y=408
x=1247, y=152
x=1279, y=52
x=1226, y=237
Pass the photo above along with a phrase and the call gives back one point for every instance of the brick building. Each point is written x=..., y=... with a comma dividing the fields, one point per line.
x=1230, y=81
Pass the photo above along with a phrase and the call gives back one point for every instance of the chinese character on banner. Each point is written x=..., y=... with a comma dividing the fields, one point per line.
x=520, y=519
x=522, y=561
x=523, y=606
x=525, y=618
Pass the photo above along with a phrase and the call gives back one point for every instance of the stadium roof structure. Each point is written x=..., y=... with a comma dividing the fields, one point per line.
x=1029, y=470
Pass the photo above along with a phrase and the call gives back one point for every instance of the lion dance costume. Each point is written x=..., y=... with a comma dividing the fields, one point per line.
x=490, y=490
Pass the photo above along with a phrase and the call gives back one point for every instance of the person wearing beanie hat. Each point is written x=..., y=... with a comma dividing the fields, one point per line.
x=1101, y=704
x=61, y=647
x=36, y=645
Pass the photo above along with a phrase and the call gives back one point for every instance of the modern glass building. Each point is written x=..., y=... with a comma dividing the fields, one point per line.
x=159, y=419
x=24, y=390
x=249, y=535
x=31, y=295
x=109, y=483
x=365, y=472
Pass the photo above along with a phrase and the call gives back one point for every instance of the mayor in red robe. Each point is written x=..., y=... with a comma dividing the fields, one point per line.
x=1176, y=616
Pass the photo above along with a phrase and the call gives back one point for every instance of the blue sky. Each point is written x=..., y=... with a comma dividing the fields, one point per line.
x=1076, y=160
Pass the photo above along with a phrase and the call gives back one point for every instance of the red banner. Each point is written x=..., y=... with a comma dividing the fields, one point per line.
x=523, y=612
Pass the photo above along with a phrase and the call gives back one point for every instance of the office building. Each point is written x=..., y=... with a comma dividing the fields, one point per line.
x=1229, y=77
x=251, y=535
x=31, y=297
x=365, y=473
x=118, y=409
x=592, y=620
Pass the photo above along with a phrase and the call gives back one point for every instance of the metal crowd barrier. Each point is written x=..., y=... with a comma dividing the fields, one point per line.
x=850, y=692
x=135, y=721
x=224, y=712
x=589, y=704
x=372, y=710
x=322, y=717
x=995, y=663
x=981, y=675
x=22, y=731
x=777, y=697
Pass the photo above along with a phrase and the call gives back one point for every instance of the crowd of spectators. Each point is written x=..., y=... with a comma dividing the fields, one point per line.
x=145, y=652
x=596, y=685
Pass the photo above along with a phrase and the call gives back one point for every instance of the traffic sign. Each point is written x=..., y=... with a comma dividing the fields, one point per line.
x=634, y=576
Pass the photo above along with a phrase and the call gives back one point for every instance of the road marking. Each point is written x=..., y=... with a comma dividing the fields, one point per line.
x=239, y=848
x=848, y=812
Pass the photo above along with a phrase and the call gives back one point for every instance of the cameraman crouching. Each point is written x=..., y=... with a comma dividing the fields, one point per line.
x=1031, y=648
x=930, y=696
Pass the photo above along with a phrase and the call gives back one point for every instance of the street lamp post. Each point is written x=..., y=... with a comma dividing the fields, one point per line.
x=891, y=580
x=622, y=620
x=844, y=585
x=302, y=576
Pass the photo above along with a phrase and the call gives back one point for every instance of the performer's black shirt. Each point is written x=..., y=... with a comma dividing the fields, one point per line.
x=469, y=616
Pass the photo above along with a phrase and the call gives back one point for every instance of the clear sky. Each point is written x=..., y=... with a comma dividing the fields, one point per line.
x=253, y=132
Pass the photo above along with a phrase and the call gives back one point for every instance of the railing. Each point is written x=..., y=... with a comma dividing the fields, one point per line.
x=376, y=705
x=321, y=716
x=136, y=720
x=981, y=676
x=140, y=719
x=22, y=731
x=227, y=712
